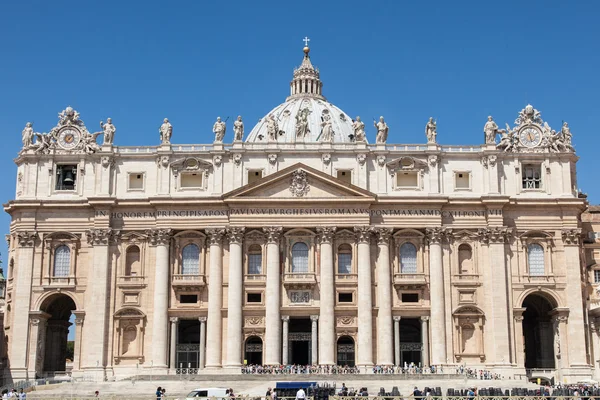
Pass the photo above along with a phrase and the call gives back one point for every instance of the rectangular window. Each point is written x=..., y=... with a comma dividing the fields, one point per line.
x=410, y=297
x=462, y=180
x=254, y=175
x=136, y=181
x=532, y=176
x=188, y=298
x=255, y=264
x=254, y=297
x=191, y=180
x=66, y=177
x=345, y=176
x=345, y=297
x=597, y=276
x=407, y=179
x=344, y=263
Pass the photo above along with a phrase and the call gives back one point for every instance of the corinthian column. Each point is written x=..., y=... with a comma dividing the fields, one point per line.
x=214, y=323
x=327, y=299
x=96, y=328
x=161, y=238
x=313, y=339
x=385, y=333
x=436, y=287
x=21, y=302
x=272, y=343
x=234, y=298
x=365, y=301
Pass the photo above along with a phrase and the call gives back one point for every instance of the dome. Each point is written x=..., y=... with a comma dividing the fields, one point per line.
x=306, y=116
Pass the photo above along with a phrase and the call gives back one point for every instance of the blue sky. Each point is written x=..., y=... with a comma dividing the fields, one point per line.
x=458, y=61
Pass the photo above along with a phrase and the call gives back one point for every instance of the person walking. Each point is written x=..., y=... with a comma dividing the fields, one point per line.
x=300, y=395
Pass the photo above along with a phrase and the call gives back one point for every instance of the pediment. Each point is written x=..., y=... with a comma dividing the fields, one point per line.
x=299, y=182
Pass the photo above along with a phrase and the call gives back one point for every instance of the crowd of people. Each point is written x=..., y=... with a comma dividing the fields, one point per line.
x=13, y=394
x=299, y=369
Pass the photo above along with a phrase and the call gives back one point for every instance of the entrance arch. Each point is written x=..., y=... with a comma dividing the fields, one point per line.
x=253, y=351
x=56, y=350
x=538, y=332
x=345, y=351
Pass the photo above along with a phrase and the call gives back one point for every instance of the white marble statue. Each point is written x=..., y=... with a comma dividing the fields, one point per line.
x=382, y=130
x=327, y=129
x=238, y=129
x=302, y=128
x=359, y=130
x=431, y=131
x=567, y=136
x=109, y=131
x=272, y=128
x=219, y=129
x=27, y=136
x=166, y=130
x=491, y=131
x=507, y=139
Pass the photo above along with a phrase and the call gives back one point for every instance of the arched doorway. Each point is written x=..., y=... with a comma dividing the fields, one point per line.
x=58, y=345
x=538, y=332
x=253, y=351
x=345, y=351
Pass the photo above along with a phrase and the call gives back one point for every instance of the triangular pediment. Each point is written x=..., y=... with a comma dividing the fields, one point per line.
x=299, y=182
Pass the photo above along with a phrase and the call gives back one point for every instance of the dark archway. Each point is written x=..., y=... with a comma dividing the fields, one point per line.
x=538, y=332
x=56, y=350
x=411, y=344
x=345, y=351
x=253, y=351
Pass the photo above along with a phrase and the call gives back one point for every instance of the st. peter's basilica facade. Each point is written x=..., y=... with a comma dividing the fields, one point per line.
x=297, y=243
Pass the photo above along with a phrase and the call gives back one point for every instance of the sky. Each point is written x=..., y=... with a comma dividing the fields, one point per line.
x=191, y=61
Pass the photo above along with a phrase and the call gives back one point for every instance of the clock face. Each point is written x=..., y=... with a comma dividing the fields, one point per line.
x=530, y=136
x=69, y=138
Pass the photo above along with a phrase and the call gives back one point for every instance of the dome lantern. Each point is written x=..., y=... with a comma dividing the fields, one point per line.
x=306, y=81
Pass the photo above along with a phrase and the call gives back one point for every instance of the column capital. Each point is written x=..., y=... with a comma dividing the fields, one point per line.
x=326, y=233
x=101, y=237
x=425, y=318
x=363, y=233
x=159, y=237
x=571, y=236
x=235, y=234
x=397, y=319
x=174, y=319
x=314, y=318
x=202, y=319
x=519, y=318
x=27, y=238
x=285, y=318
x=495, y=234
x=436, y=235
x=273, y=233
x=215, y=235
x=383, y=235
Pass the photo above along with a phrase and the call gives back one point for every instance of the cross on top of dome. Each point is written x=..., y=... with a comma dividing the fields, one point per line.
x=306, y=81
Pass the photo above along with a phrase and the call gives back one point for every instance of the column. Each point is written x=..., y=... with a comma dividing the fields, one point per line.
x=202, y=355
x=161, y=238
x=286, y=330
x=214, y=330
x=37, y=346
x=425, y=341
x=21, y=301
x=96, y=328
x=235, y=294
x=561, y=343
x=365, y=301
x=272, y=342
x=519, y=344
x=385, y=332
x=397, y=340
x=436, y=287
x=79, y=318
x=327, y=298
x=313, y=339
x=595, y=341
x=173, y=349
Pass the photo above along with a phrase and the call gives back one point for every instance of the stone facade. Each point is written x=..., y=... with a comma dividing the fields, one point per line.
x=288, y=248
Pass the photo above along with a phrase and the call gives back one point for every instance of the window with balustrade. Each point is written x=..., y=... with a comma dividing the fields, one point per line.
x=344, y=259
x=62, y=261
x=254, y=260
x=299, y=258
x=535, y=259
x=408, y=258
x=190, y=260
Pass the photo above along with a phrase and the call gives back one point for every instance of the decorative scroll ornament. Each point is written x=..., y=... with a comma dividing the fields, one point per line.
x=97, y=237
x=159, y=237
x=235, y=234
x=346, y=320
x=381, y=160
x=69, y=136
x=363, y=233
x=532, y=134
x=26, y=239
x=498, y=234
x=326, y=233
x=217, y=160
x=383, y=235
x=272, y=158
x=326, y=158
x=571, y=236
x=237, y=158
x=191, y=164
x=434, y=235
x=254, y=321
x=273, y=233
x=361, y=158
x=215, y=235
x=299, y=185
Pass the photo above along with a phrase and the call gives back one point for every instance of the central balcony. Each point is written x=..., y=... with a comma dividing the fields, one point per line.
x=188, y=282
x=410, y=281
x=305, y=280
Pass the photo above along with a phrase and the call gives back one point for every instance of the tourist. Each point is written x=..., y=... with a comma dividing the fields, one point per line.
x=158, y=393
x=268, y=394
x=300, y=395
x=23, y=395
x=163, y=394
x=274, y=394
x=96, y=394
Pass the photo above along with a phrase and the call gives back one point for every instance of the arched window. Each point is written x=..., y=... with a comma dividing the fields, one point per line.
x=190, y=256
x=408, y=258
x=132, y=261
x=344, y=259
x=300, y=258
x=62, y=261
x=535, y=257
x=465, y=259
x=255, y=260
